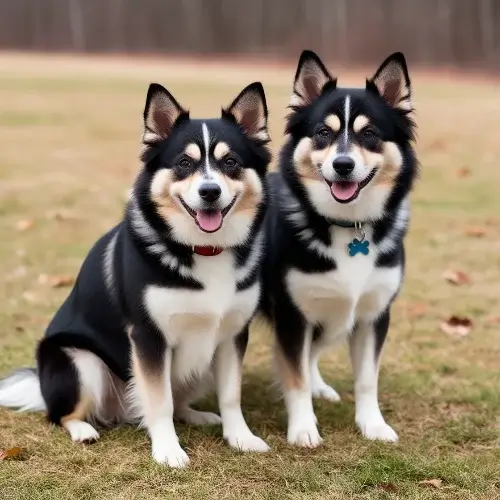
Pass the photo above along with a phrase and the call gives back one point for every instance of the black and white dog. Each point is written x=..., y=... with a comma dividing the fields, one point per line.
x=335, y=234
x=163, y=301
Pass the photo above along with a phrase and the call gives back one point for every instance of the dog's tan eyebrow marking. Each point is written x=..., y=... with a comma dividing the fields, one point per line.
x=221, y=149
x=360, y=122
x=333, y=121
x=193, y=151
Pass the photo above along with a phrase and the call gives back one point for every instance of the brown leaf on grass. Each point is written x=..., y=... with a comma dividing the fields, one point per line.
x=475, y=231
x=456, y=277
x=12, y=453
x=437, y=145
x=432, y=483
x=416, y=309
x=457, y=326
x=463, y=172
x=493, y=318
x=56, y=281
x=390, y=487
x=25, y=224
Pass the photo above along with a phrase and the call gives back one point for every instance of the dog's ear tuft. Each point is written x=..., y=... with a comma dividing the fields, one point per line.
x=392, y=82
x=310, y=80
x=249, y=111
x=160, y=114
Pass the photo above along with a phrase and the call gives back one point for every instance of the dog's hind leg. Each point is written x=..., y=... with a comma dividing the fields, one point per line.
x=365, y=345
x=185, y=413
x=70, y=394
x=320, y=389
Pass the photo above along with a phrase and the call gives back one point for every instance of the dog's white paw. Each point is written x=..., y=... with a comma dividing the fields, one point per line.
x=247, y=442
x=195, y=417
x=305, y=436
x=81, y=432
x=377, y=431
x=173, y=455
x=324, y=391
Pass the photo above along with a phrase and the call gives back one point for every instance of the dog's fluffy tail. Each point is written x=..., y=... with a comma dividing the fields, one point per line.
x=21, y=391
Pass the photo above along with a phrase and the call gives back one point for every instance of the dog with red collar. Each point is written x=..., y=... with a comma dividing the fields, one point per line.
x=162, y=303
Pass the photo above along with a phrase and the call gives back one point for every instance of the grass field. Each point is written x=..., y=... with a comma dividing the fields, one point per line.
x=70, y=131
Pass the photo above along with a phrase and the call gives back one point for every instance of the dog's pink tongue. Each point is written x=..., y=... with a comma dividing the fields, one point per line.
x=209, y=220
x=344, y=190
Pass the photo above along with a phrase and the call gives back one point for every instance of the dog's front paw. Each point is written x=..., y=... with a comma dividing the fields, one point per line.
x=247, y=442
x=173, y=455
x=81, y=432
x=306, y=436
x=377, y=431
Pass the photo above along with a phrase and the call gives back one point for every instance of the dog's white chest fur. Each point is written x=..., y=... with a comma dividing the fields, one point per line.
x=193, y=322
x=356, y=290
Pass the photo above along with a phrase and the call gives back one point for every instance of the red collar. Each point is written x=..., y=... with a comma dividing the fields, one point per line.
x=208, y=251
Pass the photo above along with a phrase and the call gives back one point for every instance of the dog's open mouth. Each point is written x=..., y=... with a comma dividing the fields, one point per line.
x=346, y=191
x=208, y=220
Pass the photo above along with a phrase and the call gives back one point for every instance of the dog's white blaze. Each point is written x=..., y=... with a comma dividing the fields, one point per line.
x=347, y=113
x=196, y=322
x=206, y=143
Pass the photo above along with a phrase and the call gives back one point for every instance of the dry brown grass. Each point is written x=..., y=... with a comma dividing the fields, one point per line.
x=70, y=131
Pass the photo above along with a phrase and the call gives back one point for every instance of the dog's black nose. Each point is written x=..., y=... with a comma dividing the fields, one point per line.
x=343, y=165
x=210, y=192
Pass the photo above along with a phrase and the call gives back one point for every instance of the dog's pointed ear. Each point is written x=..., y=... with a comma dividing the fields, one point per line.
x=311, y=78
x=160, y=114
x=249, y=111
x=392, y=82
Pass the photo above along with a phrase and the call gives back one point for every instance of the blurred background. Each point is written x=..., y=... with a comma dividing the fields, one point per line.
x=463, y=33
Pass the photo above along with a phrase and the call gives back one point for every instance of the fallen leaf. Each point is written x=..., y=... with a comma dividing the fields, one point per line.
x=392, y=488
x=463, y=172
x=416, y=309
x=433, y=483
x=12, y=453
x=456, y=277
x=437, y=145
x=475, y=231
x=495, y=319
x=56, y=281
x=457, y=326
x=25, y=224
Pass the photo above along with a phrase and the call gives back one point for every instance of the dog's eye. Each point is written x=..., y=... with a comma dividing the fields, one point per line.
x=369, y=133
x=230, y=162
x=185, y=163
x=323, y=132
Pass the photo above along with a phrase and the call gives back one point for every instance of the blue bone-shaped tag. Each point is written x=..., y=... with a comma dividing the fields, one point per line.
x=357, y=246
